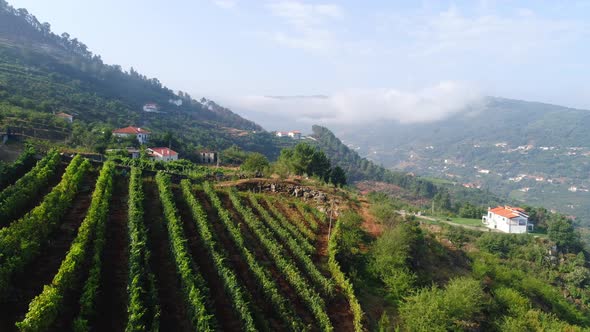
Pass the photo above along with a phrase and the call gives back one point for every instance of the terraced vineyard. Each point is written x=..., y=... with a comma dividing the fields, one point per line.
x=108, y=249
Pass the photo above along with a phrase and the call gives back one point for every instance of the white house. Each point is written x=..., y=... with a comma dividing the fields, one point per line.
x=294, y=134
x=507, y=219
x=141, y=134
x=151, y=107
x=177, y=102
x=162, y=154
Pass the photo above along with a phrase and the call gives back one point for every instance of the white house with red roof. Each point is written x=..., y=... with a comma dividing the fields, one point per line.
x=141, y=134
x=162, y=154
x=507, y=219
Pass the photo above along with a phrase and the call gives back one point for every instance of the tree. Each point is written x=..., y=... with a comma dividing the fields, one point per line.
x=255, y=163
x=561, y=231
x=442, y=201
x=338, y=177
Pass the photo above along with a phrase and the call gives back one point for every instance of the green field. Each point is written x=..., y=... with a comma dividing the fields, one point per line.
x=467, y=221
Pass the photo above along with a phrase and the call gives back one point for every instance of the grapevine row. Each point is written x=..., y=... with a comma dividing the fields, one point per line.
x=265, y=281
x=15, y=198
x=299, y=224
x=142, y=309
x=194, y=287
x=45, y=307
x=307, y=215
x=322, y=282
x=229, y=278
x=277, y=253
x=341, y=279
x=10, y=172
x=280, y=218
x=23, y=239
x=90, y=291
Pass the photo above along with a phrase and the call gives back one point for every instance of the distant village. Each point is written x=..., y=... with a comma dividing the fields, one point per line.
x=450, y=167
x=166, y=154
x=142, y=135
x=156, y=153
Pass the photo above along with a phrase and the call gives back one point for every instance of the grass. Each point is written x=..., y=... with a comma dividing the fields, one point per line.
x=467, y=221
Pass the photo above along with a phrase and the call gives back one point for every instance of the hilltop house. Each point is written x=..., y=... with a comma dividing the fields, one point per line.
x=294, y=134
x=65, y=116
x=207, y=157
x=150, y=107
x=141, y=134
x=162, y=154
x=507, y=219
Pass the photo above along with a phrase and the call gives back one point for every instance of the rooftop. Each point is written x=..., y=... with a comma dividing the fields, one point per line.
x=131, y=130
x=163, y=151
x=509, y=211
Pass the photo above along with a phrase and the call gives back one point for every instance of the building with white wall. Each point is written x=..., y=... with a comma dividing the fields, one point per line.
x=162, y=154
x=141, y=134
x=507, y=219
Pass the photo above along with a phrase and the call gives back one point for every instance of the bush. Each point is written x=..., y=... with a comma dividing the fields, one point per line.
x=434, y=309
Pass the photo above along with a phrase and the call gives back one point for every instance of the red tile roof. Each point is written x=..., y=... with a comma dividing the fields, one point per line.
x=164, y=151
x=508, y=211
x=131, y=131
x=63, y=115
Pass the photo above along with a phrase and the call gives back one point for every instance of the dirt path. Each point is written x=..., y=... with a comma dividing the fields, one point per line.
x=172, y=305
x=227, y=318
x=112, y=301
x=370, y=225
x=42, y=270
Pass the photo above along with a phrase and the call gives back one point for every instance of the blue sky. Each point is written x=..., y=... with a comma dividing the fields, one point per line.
x=399, y=56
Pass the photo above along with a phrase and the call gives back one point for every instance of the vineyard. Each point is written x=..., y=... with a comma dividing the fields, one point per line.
x=107, y=248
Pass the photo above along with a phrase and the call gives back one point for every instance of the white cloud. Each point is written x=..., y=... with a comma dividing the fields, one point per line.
x=307, y=24
x=226, y=4
x=367, y=105
x=514, y=37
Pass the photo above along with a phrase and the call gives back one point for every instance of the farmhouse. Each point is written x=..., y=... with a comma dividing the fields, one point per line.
x=207, y=157
x=507, y=219
x=65, y=116
x=141, y=134
x=162, y=154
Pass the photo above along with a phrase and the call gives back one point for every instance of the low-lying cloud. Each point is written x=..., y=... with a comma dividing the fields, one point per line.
x=366, y=105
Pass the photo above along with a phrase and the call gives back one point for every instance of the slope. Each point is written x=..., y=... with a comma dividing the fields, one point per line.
x=42, y=73
x=532, y=152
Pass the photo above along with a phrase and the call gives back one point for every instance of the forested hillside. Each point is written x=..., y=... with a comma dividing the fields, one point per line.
x=531, y=152
x=42, y=73
x=362, y=169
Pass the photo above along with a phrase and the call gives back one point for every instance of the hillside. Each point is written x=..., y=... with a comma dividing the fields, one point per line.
x=535, y=153
x=105, y=247
x=363, y=169
x=42, y=73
